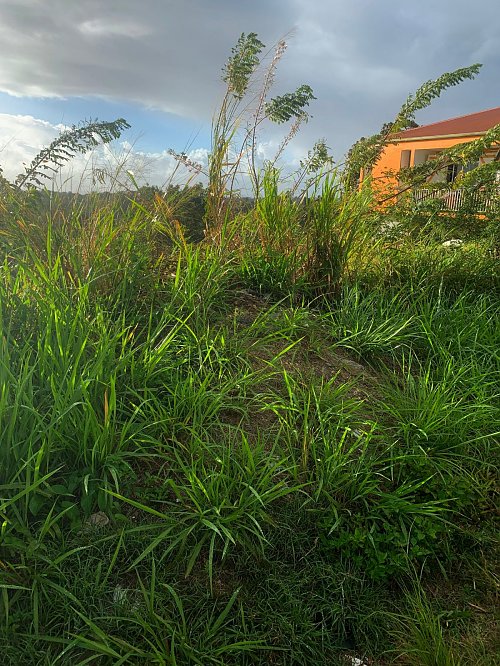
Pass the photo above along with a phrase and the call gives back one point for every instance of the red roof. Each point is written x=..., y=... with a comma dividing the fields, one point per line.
x=470, y=124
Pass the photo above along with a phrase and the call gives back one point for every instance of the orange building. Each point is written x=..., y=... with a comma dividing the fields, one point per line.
x=417, y=145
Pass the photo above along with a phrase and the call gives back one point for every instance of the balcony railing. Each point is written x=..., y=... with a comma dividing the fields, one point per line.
x=453, y=200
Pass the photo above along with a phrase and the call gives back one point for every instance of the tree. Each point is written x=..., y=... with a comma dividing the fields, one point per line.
x=358, y=155
x=365, y=153
x=78, y=139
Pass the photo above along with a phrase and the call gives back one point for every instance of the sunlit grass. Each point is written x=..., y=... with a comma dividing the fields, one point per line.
x=241, y=451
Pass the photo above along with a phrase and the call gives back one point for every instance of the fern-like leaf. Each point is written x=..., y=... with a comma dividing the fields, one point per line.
x=78, y=139
x=366, y=152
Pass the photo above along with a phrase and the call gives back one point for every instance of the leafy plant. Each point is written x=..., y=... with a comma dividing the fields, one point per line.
x=77, y=139
x=195, y=468
x=367, y=151
x=228, y=149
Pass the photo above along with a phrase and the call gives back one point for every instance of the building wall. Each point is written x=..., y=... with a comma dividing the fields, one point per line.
x=394, y=156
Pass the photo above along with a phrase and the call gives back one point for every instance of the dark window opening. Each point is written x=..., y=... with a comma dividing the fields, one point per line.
x=454, y=169
x=452, y=172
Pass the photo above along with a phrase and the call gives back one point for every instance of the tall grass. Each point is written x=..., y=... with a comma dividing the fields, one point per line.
x=305, y=247
x=239, y=451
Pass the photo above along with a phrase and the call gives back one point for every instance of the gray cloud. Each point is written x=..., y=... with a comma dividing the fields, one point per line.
x=362, y=58
x=159, y=53
x=365, y=57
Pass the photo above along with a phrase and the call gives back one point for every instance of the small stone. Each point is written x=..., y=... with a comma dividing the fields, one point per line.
x=354, y=661
x=98, y=519
x=453, y=242
x=119, y=595
x=352, y=366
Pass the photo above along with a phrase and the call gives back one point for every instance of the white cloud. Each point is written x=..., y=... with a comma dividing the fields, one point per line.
x=22, y=137
x=103, y=28
x=266, y=150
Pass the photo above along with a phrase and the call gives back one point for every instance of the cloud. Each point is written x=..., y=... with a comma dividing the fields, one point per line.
x=162, y=54
x=23, y=136
x=103, y=29
x=362, y=58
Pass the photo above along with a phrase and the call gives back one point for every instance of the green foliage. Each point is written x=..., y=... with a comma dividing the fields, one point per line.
x=197, y=452
x=231, y=147
x=304, y=247
x=318, y=158
x=365, y=153
x=421, y=635
x=430, y=91
x=77, y=139
x=283, y=108
x=242, y=64
x=370, y=326
x=241, y=450
x=384, y=537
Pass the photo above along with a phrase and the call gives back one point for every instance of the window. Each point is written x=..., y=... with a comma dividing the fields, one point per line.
x=454, y=169
x=452, y=172
x=469, y=166
x=405, y=159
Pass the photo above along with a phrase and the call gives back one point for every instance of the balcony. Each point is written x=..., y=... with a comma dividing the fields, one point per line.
x=454, y=200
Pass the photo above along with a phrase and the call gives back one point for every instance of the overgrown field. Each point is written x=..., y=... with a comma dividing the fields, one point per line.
x=276, y=446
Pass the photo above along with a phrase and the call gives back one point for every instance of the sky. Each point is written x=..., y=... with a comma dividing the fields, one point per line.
x=157, y=63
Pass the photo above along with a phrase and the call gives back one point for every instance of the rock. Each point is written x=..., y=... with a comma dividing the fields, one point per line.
x=119, y=595
x=453, y=242
x=355, y=661
x=98, y=519
x=352, y=366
